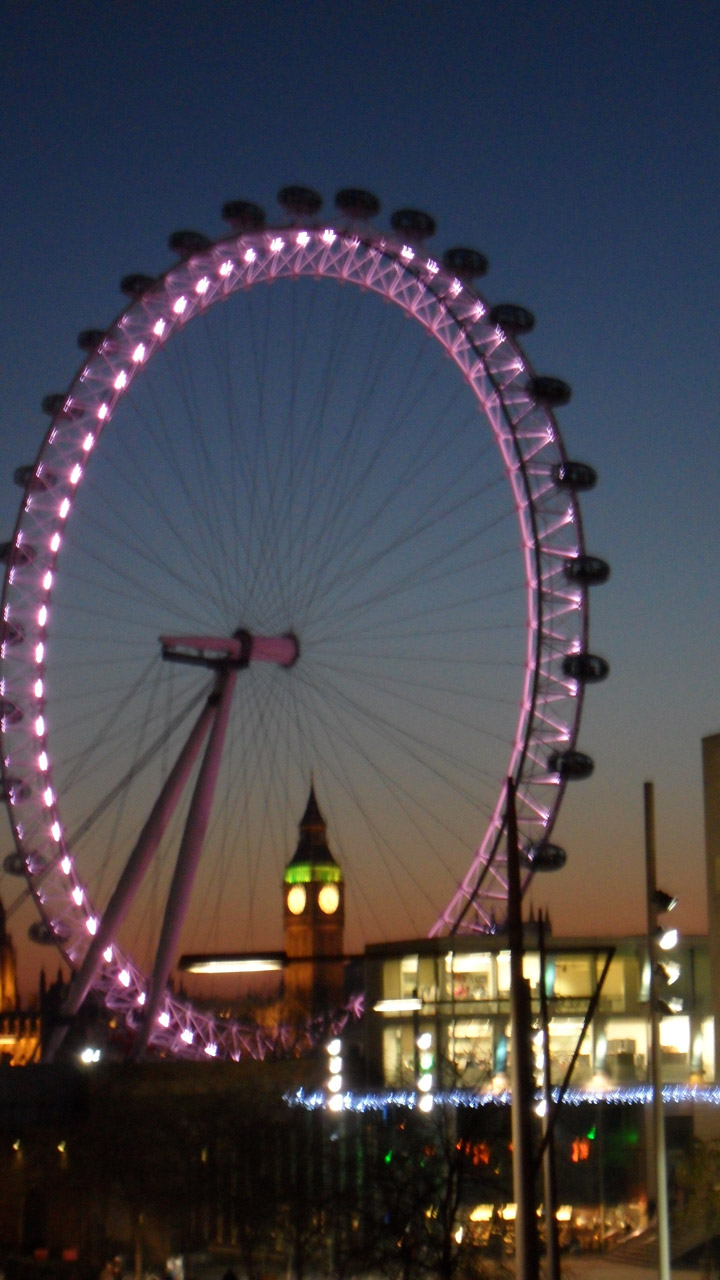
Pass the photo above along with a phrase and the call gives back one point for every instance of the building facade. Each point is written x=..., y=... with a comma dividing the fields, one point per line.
x=457, y=992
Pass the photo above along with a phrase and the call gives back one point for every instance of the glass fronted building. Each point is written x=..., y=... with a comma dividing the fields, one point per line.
x=454, y=996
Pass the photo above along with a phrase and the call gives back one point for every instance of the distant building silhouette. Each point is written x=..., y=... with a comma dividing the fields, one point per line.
x=19, y=1031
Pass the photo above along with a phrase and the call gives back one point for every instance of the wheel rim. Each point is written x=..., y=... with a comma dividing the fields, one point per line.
x=528, y=450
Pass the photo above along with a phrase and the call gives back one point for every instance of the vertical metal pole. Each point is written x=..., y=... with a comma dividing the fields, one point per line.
x=551, y=1226
x=527, y=1253
x=658, y=1118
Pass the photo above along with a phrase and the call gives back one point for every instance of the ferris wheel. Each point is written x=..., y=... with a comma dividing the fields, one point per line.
x=278, y=528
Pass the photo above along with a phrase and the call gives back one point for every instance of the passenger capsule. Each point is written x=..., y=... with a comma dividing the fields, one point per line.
x=467, y=264
x=511, y=317
x=550, y=391
x=10, y=633
x=413, y=223
x=187, y=243
x=14, y=791
x=37, y=481
x=20, y=556
x=587, y=668
x=243, y=215
x=357, y=204
x=136, y=284
x=545, y=857
x=301, y=202
x=577, y=476
x=46, y=935
x=57, y=403
x=53, y=403
x=590, y=571
x=90, y=339
x=571, y=765
x=9, y=712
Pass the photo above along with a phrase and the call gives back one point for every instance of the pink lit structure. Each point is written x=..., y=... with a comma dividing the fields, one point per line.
x=439, y=297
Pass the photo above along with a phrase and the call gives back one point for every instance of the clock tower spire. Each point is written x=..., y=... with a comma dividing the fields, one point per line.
x=314, y=915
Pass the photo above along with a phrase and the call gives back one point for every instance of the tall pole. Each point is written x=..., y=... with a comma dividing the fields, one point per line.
x=658, y=1118
x=527, y=1253
x=552, y=1244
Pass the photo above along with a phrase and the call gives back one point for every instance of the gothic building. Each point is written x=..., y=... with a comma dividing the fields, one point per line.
x=314, y=918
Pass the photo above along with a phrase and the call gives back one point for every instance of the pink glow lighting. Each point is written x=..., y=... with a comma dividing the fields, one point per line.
x=48, y=797
x=76, y=473
x=55, y=832
x=55, y=542
x=65, y=865
x=225, y=268
x=64, y=508
x=91, y=925
x=187, y=1036
x=180, y=305
x=42, y=615
x=164, y=1019
x=107, y=954
x=159, y=328
x=124, y=978
x=42, y=762
x=39, y=727
x=202, y=285
x=211, y=1050
x=303, y=239
x=138, y=354
x=120, y=381
x=277, y=244
x=47, y=580
x=78, y=894
x=329, y=236
x=250, y=255
x=141, y=998
x=455, y=288
x=39, y=649
x=103, y=411
x=38, y=688
x=432, y=266
x=407, y=253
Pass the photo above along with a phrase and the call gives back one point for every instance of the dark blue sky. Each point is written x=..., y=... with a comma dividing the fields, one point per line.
x=575, y=144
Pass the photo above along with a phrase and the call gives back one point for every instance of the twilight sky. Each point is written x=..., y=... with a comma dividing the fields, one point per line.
x=576, y=145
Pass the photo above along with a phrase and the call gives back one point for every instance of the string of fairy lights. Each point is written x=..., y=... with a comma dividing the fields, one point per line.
x=410, y=1099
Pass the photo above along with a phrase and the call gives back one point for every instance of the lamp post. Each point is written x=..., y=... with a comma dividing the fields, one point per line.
x=527, y=1261
x=658, y=1119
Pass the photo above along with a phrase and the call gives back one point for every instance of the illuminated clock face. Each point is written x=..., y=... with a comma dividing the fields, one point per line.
x=296, y=899
x=329, y=898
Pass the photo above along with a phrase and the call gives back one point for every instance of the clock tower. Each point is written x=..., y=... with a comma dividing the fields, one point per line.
x=314, y=916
